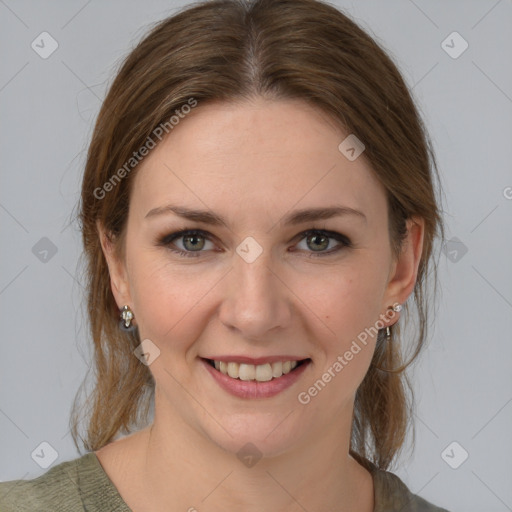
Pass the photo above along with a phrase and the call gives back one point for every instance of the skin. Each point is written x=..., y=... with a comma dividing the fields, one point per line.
x=253, y=163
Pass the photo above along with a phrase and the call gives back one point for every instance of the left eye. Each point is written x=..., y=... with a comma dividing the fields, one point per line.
x=194, y=240
x=322, y=240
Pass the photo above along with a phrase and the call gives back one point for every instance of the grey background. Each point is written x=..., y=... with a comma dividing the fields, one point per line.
x=47, y=108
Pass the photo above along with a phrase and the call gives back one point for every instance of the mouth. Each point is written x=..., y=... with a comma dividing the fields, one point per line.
x=257, y=373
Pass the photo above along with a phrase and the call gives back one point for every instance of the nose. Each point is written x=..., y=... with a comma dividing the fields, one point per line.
x=257, y=301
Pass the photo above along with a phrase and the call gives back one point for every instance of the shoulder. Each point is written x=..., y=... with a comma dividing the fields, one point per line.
x=76, y=485
x=56, y=488
x=391, y=494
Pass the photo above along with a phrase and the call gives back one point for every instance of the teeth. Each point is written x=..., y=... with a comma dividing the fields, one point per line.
x=246, y=371
x=260, y=372
x=233, y=370
x=263, y=372
x=277, y=369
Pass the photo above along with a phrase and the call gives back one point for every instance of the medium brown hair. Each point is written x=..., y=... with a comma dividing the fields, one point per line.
x=236, y=50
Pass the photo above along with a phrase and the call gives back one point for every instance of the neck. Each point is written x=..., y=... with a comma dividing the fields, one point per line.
x=184, y=470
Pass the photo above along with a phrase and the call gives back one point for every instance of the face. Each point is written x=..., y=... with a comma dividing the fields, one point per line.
x=259, y=285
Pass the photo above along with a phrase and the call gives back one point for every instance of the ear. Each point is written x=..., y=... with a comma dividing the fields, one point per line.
x=405, y=269
x=117, y=269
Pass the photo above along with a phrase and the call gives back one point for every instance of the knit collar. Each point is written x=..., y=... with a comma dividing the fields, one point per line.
x=99, y=492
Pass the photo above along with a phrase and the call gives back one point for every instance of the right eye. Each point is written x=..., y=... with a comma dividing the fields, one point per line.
x=192, y=240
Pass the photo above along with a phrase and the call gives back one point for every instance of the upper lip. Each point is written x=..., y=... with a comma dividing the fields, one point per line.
x=256, y=360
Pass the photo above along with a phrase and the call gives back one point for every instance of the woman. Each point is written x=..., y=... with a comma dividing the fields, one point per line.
x=258, y=204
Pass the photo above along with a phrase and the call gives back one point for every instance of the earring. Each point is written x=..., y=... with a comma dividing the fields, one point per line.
x=397, y=308
x=126, y=319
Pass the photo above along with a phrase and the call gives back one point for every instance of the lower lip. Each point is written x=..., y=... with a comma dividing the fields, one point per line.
x=252, y=388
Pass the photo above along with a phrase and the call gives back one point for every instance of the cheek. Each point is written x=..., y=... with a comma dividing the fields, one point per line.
x=351, y=310
x=350, y=303
x=165, y=298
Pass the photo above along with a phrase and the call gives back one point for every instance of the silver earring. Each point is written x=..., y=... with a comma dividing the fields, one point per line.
x=397, y=308
x=126, y=319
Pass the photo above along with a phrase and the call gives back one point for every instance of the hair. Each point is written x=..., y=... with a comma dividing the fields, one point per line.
x=236, y=50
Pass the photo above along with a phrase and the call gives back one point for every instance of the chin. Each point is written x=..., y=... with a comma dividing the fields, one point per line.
x=264, y=435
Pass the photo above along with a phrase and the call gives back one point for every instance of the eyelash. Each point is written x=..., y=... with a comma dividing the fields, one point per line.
x=166, y=240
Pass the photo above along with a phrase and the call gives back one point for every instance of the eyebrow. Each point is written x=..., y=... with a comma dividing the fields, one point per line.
x=296, y=217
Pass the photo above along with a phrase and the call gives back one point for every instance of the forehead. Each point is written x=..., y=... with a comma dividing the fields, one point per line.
x=255, y=157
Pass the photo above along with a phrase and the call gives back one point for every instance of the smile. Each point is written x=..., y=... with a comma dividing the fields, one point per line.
x=246, y=380
x=260, y=372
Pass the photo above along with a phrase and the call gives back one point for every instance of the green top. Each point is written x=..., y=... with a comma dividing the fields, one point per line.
x=82, y=484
